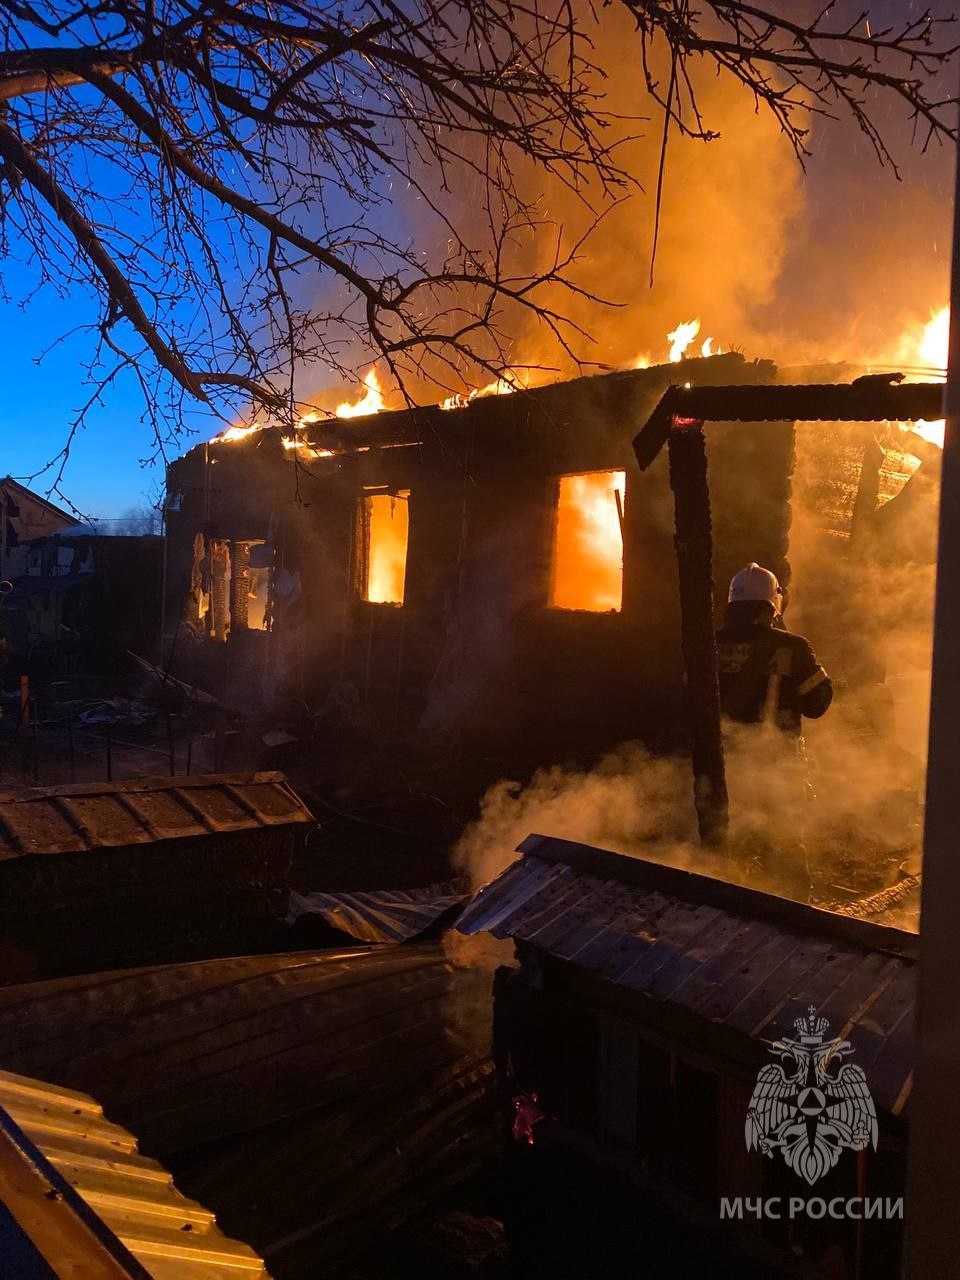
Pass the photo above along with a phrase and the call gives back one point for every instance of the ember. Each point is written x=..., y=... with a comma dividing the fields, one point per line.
x=526, y=1113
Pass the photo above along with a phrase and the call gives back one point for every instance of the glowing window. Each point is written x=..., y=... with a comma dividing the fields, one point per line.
x=588, y=543
x=383, y=535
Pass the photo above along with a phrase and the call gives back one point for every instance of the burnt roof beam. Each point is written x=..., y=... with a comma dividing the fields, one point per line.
x=868, y=399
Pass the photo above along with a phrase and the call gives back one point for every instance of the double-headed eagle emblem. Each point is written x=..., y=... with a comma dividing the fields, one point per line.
x=809, y=1106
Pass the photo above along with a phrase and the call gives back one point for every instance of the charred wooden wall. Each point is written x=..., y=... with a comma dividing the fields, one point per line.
x=475, y=658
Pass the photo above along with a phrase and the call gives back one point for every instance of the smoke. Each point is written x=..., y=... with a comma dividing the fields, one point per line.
x=630, y=800
x=832, y=262
x=844, y=813
x=729, y=208
x=842, y=818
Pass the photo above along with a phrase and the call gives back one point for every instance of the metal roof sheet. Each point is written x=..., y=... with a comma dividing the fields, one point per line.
x=171, y=1236
x=186, y=1053
x=730, y=955
x=385, y=915
x=311, y=1099
x=74, y=818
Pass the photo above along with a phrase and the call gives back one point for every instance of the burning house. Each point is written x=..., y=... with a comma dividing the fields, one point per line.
x=491, y=576
x=497, y=579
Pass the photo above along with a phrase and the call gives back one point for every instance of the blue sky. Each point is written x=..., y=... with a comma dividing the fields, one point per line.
x=105, y=473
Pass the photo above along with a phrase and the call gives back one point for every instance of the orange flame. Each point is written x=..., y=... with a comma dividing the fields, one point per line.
x=296, y=444
x=588, y=548
x=230, y=435
x=388, y=524
x=504, y=386
x=925, y=354
x=371, y=401
x=681, y=337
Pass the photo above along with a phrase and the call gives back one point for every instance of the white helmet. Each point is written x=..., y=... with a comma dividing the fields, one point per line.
x=756, y=583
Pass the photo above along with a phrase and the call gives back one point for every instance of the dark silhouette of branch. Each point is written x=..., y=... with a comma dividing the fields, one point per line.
x=229, y=182
x=829, y=66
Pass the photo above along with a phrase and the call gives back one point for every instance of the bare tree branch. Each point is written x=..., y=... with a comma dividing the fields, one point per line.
x=246, y=192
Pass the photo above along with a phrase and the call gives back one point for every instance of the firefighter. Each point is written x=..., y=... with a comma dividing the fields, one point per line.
x=767, y=674
x=772, y=679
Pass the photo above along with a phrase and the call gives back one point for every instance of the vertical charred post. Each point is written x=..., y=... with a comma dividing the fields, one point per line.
x=239, y=585
x=694, y=545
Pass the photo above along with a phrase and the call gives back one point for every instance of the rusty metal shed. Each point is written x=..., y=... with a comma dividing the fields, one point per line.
x=121, y=1214
x=106, y=875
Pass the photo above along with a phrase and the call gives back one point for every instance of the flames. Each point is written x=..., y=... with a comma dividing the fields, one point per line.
x=921, y=353
x=387, y=525
x=371, y=401
x=681, y=337
x=679, y=342
x=934, y=344
x=504, y=386
x=924, y=353
x=588, y=546
x=230, y=435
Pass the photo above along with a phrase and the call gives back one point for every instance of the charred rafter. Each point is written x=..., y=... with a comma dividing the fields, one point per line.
x=864, y=400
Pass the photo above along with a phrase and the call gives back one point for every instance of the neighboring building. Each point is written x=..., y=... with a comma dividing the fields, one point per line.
x=82, y=600
x=313, y=1101
x=24, y=516
x=115, y=874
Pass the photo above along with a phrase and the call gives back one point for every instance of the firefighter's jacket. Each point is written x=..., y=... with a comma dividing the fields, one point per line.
x=769, y=674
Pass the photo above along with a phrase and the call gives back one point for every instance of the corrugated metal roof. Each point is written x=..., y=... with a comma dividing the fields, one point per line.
x=70, y=819
x=189, y=1053
x=733, y=956
x=172, y=1237
x=387, y=915
x=311, y=1099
